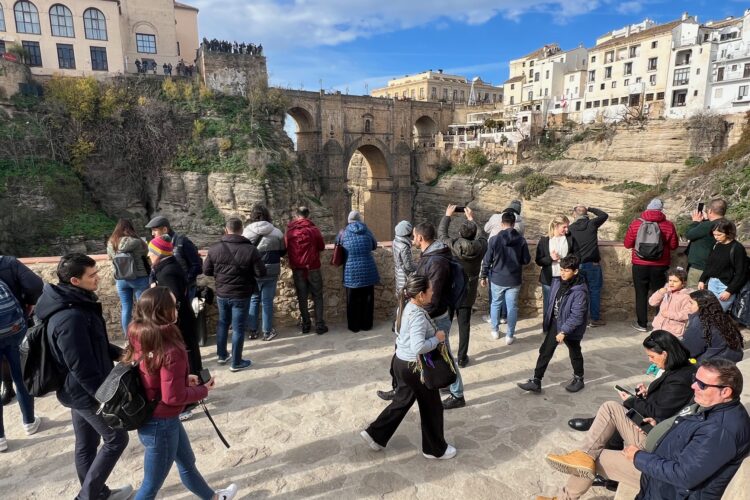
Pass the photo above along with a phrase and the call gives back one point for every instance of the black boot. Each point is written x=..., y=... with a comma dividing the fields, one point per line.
x=531, y=385
x=575, y=385
x=7, y=394
x=387, y=395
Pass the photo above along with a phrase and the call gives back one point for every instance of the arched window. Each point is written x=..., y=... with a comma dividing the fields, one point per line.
x=61, y=20
x=27, y=18
x=94, y=24
x=2, y=19
x=367, y=125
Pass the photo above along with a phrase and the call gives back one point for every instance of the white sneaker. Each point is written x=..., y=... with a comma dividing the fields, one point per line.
x=185, y=415
x=3, y=444
x=450, y=452
x=495, y=334
x=509, y=340
x=487, y=319
x=122, y=493
x=227, y=493
x=503, y=321
x=33, y=426
x=370, y=441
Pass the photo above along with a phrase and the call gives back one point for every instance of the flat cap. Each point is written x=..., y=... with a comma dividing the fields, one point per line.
x=158, y=221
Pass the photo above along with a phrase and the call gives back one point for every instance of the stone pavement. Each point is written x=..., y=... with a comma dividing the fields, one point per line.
x=293, y=421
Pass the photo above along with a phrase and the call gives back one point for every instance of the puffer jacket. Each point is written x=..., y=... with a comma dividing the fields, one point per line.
x=668, y=235
x=403, y=262
x=695, y=342
x=470, y=253
x=698, y=456
x=435, y=265
x=359, y=265
x=574, y=309
x=674, y=309
x=135, y=246
x=236, y=264
x=269, y=241
x=304, y=244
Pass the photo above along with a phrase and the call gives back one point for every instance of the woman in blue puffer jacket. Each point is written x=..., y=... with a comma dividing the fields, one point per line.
x=360, y=272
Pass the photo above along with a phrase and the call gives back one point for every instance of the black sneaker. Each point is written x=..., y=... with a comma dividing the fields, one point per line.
x=320, y=330
x=452, y=402
x=531, y=385
x=603, y=482
x=305, y=329
x=270, y=335
x=387, y=395
x=463, y=362
x=253, y=335
x=638, y=327
x=575, y=385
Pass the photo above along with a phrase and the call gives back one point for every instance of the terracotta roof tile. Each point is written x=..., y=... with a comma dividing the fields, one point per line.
x=641, y=35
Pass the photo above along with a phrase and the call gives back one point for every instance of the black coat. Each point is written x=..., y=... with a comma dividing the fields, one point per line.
x=235, y=263
x=434, y=264
x=470, y=253
x=585, y=232
x=25, y=285
x=543, y=258
x=77, y=333
x=666, y=395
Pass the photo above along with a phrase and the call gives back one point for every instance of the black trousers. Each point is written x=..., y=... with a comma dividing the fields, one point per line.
x=547, y=350
x=463, y=315
x=360, y=305
x=409, y=389
x=646, y=280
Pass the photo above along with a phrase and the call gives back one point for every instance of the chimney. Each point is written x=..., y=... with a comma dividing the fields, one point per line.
x=440, y=71
x=685, y=16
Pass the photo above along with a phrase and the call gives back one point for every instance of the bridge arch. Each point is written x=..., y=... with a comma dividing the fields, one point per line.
x=424, y=131
x=370, y=185
x=305, y=128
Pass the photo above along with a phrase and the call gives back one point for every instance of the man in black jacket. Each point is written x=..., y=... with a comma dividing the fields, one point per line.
x=469, y=248
x=184, y=251
x=236, y=263
x=434, y=264
x=77, y=334
x=585, y=232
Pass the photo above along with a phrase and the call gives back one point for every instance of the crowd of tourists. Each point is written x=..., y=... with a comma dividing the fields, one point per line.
x=693, y=344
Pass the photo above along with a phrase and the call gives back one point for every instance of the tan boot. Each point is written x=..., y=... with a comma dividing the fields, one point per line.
x=576, y=463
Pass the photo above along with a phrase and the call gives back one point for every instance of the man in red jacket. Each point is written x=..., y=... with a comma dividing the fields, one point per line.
x=650, y=260
x=304, y=244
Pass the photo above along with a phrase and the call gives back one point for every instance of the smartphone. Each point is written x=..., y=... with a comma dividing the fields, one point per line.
x=626, y=391
x=700, y=206
x=204, y=376
x=460, y=209
x=637, y=419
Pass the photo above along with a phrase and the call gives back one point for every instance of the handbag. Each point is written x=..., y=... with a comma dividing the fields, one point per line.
x=338, y=257
x=437, y=367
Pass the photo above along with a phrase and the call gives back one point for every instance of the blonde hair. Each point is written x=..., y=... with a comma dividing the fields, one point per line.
x=557, y=221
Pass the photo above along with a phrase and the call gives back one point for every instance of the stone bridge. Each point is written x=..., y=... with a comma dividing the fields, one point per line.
x=394, y=137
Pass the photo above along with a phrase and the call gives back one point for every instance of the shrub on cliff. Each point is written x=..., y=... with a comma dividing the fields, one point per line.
x=533, y=185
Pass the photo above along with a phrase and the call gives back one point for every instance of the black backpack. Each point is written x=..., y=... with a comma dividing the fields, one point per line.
x=122, y=398
x=41, y=373
x=459, y=282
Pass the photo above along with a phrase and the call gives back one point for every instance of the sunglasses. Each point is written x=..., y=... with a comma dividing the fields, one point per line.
x=702, y=385
x=177, y=305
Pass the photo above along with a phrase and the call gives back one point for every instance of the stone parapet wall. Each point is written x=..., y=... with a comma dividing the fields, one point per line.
x=233, y=74
x=617, y=295
x=12, y=75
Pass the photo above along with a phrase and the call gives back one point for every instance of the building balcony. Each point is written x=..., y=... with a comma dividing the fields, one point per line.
x=636, y=88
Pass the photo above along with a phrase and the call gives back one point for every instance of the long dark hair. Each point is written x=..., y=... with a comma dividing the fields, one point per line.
x=660, y=341
x=711, y=316
x=415, y=284
x=123, y=228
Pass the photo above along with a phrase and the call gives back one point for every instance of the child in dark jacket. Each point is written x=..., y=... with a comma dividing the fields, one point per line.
x=565, y=322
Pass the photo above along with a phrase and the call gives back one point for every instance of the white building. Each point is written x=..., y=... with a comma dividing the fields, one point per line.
x=730, y=66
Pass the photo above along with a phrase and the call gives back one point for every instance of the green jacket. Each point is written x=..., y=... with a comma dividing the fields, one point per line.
x=702, y=242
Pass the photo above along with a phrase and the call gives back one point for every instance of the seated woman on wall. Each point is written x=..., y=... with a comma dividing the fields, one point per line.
x=664, y=397
x=710, y=332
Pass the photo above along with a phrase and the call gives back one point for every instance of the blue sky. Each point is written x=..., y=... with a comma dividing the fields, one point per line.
x=352, y=45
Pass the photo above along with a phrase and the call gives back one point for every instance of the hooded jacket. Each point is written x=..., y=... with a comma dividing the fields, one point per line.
x=470, y=253
x=585, y=233
x=77, y=334
x=304, y=243
x=674, y=309
x=668, y=234
x=573, y=311
x=503, y=262
x=698, y=456
x=235, y=263
x=403, y=261
x=359, y=265
x=434, y=264
x=270, y=243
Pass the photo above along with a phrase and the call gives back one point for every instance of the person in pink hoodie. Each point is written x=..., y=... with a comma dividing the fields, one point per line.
x=650, y=259
x=674, y=303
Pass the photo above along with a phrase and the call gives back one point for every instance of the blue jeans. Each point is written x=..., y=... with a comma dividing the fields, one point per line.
x=126, y=289
x=592, y=271
x=444, y=323
x=9, y=350
x=234, y=310
x=263, y=298
x=504, y=296
x=503, y=307
x=716, y=287
x=166, y=442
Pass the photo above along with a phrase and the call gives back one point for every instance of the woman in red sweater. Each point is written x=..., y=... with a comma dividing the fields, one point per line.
x=156, y=342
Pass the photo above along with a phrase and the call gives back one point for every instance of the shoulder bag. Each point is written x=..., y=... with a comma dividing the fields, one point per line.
x=338, y=257
x=437, y=368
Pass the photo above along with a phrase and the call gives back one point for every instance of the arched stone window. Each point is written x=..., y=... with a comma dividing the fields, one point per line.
x=368, y=120
x=367, y=125
x=94, y=24
x=61, y=21
x=2, y=19
x=27, y=18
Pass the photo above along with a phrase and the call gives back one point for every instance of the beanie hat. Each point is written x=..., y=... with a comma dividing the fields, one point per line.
x=354, y=215
x=161, y=246
x=514, y=205
x=655, y=204
x=404, y=228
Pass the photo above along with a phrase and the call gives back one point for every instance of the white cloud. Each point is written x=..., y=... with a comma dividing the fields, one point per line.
x=633, y=7
x=285, y=24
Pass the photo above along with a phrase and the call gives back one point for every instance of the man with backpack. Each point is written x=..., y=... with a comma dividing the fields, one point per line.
x=19, y=290
x=502, y=267
x=438, y=266
x=652, y=238
x=184, y=251
x=77, y=335
x=303, y=245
